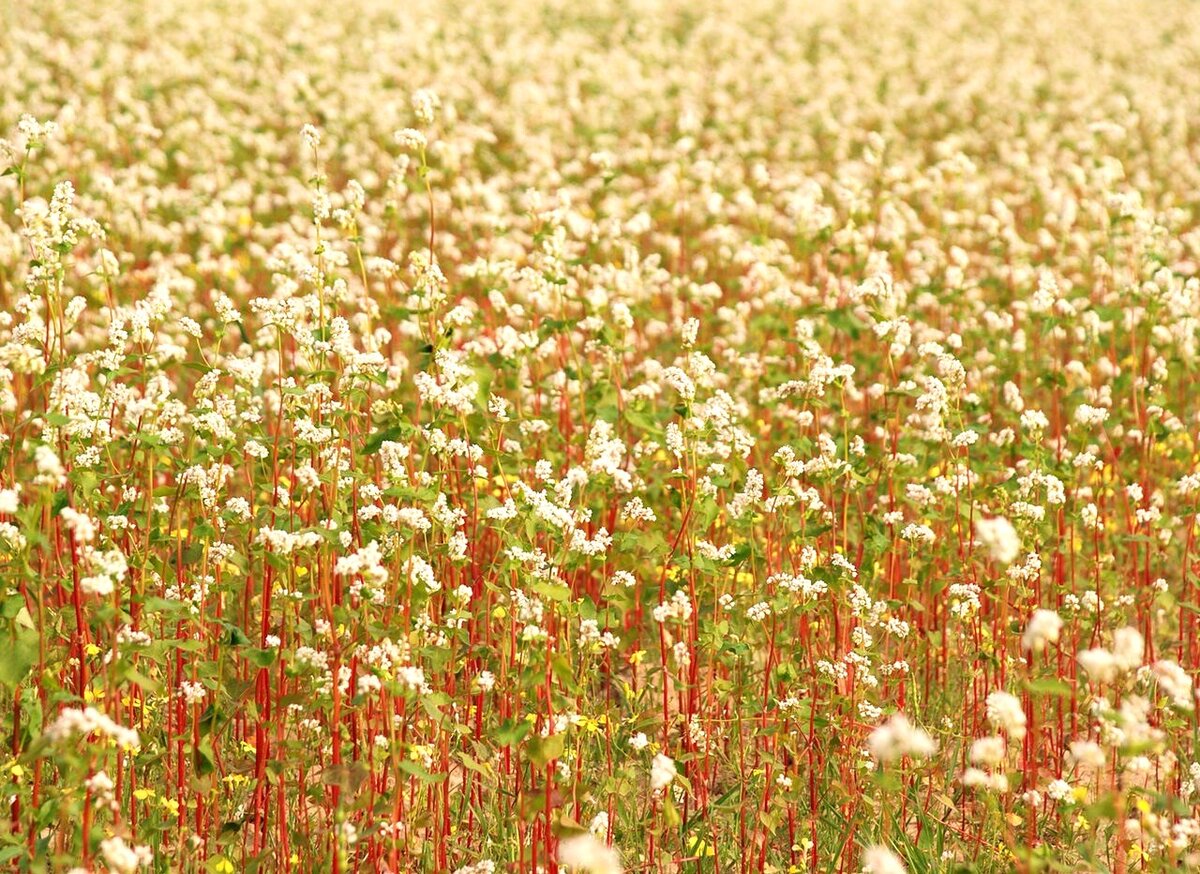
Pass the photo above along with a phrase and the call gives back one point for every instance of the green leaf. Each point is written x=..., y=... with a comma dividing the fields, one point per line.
x=372, y=443
x=348, y=776
x=1050, y=686
x=235, y=636
x=202, y=757
x=553, y=591
x=263, y=658
x=542, y=750
x=18, y=649
x=513, y=731
x=411, y=767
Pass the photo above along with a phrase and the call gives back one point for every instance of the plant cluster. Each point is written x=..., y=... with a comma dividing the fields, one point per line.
x=674, y=436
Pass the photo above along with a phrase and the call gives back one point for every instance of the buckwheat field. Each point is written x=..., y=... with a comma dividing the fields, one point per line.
x=599, y=436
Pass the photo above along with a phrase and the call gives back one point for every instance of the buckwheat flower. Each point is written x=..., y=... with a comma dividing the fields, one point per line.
x=999, y=537
x=1090, y=416
x=1004, y=711
x=759, y=612
x=35, y=133
x=915, y=533
x=1034, y=421
x=10, y=500
x=412, y=678
x=662, y=772
x=99, y=585
x=639, y=741
x=74, y=722
x=988, y=751
x=674, y=440
x=418, y=570
x=976, y=778
x=1099, y=664
x=585, y=852
x=691, y=328
x=192, y=693
x=1044, y=628
x=880, y=860
x=424, y=102
x=623, y=578
x=1175, y=682
x=964, y=439
x=866, y=711
x=122, y=858
x=410, y=139
x=1085, y=753
x=486, y=866
x=897, y=738
x=255, y=449
x=1059, y=790
x=310, y=136
x=81, y=526
x=1128, y=649
x=599, y=824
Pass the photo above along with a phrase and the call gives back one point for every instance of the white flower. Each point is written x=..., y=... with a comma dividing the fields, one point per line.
x=424, y=102
x=1085, y=752
x=410, y=139
x=1174, y=680
x=1098, y=664
x=898, y=737
x=1004, y=711
x=662, y=772
x=585, y=852
x=599, y=824
x=881, y=860
x=988, y=751
x=1000, y=539
x=1059, y=790
x=1129, y=648
x=122, y=858
x=1043, y=628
